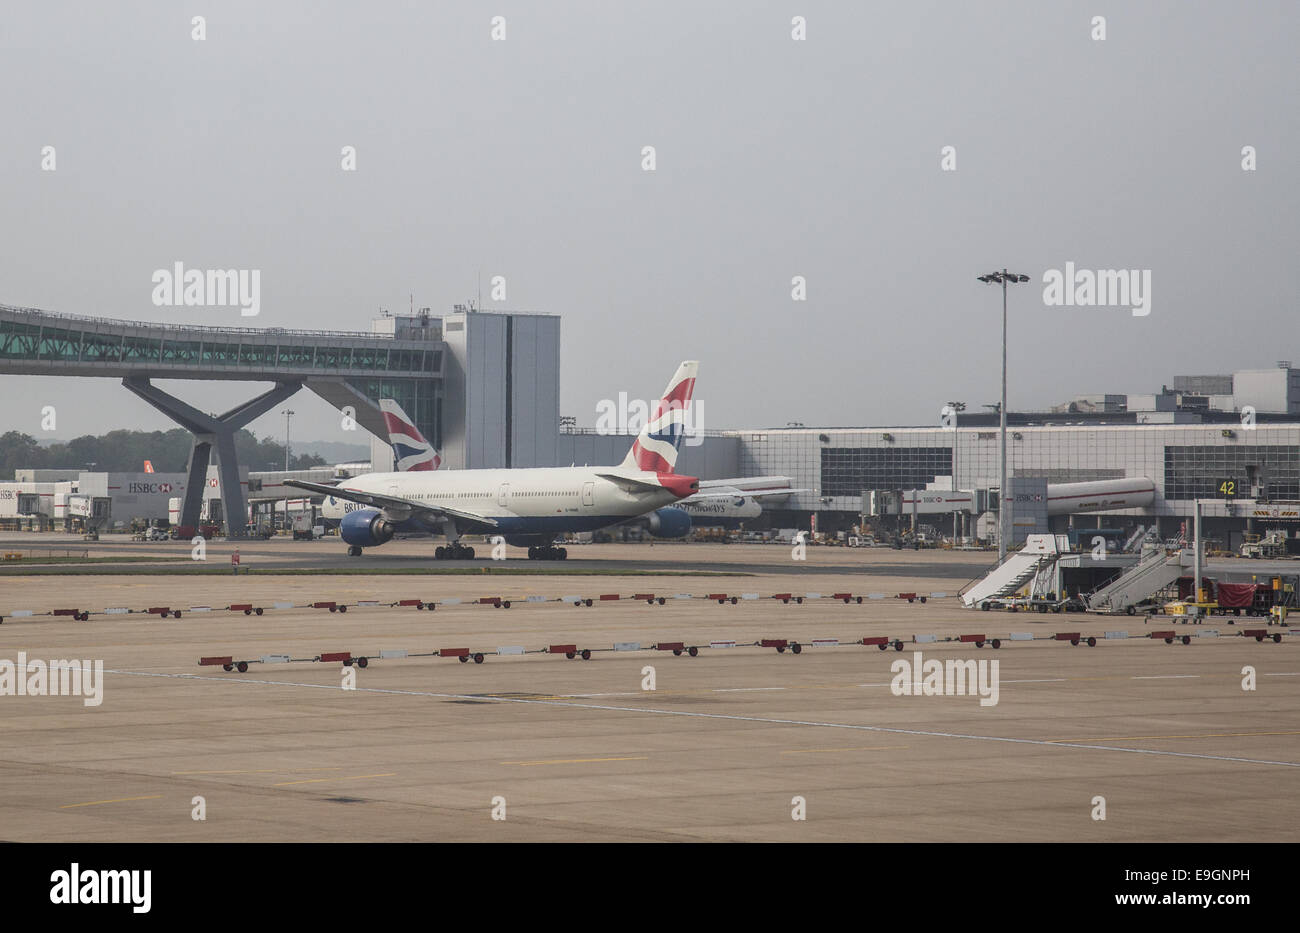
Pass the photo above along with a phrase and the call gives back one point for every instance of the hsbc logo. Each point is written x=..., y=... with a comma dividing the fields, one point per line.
x=149, y=488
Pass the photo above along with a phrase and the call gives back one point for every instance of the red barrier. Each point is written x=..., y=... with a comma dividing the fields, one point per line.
x=608, y=596
x=344, y=656
x=222, y=661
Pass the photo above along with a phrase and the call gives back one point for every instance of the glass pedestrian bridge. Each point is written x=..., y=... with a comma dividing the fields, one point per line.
x=38, y=342
x=350, y=370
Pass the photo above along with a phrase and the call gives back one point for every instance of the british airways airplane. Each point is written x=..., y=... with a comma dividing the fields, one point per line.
x=530, y=506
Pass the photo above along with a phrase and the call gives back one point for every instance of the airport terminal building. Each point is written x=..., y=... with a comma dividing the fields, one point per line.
x=484, y=388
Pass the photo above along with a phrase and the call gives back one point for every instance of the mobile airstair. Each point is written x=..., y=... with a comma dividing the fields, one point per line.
x=1034, y=563
x=1156, y=570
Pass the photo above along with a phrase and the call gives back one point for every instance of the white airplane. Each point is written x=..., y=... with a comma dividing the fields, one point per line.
x=528, y=507
x=728, y=502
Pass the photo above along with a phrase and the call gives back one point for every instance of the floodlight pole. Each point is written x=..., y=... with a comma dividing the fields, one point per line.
x=1002, y=421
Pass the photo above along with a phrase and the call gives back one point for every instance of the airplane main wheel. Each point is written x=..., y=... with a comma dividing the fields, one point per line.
x=440, y=553
x=532, y=553
x=354, y=551
x=469, y=553
x=564, y=554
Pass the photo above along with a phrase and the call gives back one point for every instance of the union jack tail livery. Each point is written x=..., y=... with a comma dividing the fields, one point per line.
x=411, y=452
x=655, y=448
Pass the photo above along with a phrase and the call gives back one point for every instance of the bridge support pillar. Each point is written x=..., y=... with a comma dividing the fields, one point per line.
x=209, y=432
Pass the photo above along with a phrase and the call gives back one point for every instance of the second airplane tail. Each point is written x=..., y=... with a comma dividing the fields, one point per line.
x=655, y=448
x=411, y=452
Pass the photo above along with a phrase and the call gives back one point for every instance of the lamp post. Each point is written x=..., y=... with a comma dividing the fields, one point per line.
x=288, y=413
x=1003, y=278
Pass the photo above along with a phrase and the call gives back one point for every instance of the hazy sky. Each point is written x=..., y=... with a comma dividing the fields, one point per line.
x=775, y=158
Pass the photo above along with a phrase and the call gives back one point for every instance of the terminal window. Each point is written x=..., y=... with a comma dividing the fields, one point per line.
x=846, y=471
x=1198, y=472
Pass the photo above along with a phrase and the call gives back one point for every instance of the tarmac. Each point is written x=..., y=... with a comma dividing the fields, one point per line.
x=730, y=745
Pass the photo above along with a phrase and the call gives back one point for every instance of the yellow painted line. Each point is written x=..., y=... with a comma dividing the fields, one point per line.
x=1203, y=735
x=354, y=777
x=848, y=748
x=573, y=761
x=263, y=771
x=95, y=803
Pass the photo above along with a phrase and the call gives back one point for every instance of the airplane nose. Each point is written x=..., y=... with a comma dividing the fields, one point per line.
x=680, y=486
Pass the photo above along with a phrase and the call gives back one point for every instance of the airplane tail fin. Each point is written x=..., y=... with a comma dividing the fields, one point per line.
x=411, y=452
x=655, y=448
x=148, y=466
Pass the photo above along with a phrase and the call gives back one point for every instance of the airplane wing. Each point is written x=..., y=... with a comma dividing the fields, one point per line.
x=393, y=503
x=731, y=492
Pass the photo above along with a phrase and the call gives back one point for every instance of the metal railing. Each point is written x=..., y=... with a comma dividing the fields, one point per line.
x=205, y=328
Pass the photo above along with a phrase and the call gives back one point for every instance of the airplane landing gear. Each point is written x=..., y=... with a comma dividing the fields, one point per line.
x=354, y=551
x=548, y=552
x=454, y=551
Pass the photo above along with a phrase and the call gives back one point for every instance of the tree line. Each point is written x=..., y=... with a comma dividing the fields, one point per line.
x=126, y=451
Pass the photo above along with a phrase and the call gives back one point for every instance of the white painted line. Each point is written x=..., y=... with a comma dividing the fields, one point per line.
x=745, y=689
x=1167, y=677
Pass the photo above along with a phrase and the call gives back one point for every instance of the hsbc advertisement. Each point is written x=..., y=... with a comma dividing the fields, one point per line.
x=134, y=495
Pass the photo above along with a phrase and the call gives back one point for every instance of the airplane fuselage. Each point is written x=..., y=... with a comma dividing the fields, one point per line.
x=522, y=502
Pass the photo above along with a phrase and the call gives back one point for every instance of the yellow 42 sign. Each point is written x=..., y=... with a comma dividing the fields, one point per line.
x=1227, y=488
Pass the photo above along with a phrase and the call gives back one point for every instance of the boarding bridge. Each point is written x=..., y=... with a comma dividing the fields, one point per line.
x=1034, y=562
x=1155, y=571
